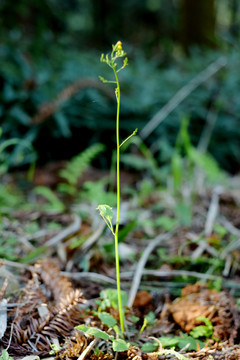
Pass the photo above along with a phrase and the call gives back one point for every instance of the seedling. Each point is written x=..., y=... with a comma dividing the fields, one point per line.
x=148, y=321
x=162, y=351
x=55, y=349
x=179, y=342
x=5, y=355
x=118, y=345
x=110, y=299
x=105, y=210
x=202, y=330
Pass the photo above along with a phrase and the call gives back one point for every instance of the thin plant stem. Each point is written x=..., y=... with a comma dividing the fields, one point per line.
x=105, y=210
x=121, y=318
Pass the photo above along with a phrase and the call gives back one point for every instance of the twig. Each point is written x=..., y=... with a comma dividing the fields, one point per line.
x=181, y=95
x=163, y=273
x=209, y=224
x=207, y=130
x=230, y=247
x=179, y=273
x=15, y=264
x=12, y=305
x=95, y=277
x=70, y=230
x=40, y=234
x=203, y=143
x=23, y=240
x=10, y=337
x=227, y=267
x=202, y=246
x=212, y=211
x=93, y=238
x=47, y=109
x=140, y=266
x=229, y=226
x=88, y=349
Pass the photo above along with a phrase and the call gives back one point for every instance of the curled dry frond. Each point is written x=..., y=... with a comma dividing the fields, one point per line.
x=73, y=346
x=50, y=310
x=59, y=285
x=134, y=353
x=219, y=307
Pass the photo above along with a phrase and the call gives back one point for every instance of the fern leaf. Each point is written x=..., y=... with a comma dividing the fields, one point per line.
x=79, y=163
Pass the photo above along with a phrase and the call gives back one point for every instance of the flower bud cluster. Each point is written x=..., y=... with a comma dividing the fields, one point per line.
x=117, y=52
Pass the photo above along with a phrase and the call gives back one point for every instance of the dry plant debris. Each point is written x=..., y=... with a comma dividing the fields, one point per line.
x=49, y=306
x=46, y=309
x=219, y=307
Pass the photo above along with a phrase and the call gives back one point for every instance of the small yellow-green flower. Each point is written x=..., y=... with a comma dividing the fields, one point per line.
x=119, y=45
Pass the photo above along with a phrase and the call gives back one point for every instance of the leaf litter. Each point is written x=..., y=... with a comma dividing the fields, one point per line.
x=44, y=300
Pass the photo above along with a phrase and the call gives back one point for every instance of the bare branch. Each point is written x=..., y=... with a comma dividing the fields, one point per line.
x=181, y=95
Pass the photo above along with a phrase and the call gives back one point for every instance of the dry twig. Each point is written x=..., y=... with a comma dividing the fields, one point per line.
x=49, y=108
x=88, y=349
x=181, y=95
x=95, y=277
x=70, y=230
x=140, y=266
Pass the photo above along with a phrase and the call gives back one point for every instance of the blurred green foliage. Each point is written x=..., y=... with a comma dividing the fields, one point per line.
x=49, y=45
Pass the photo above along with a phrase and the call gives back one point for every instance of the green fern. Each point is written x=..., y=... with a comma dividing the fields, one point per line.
x=53, y=203
x=75, y=168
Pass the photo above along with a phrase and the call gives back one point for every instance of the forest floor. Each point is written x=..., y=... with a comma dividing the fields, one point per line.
x=180, y=274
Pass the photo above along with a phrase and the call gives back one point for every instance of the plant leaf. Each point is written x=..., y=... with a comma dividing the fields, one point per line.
x=105, y=211
x=183, y=341
x=173, y=352
x=107, y=319
x=111, y=296
x=94, y=331
x=53, y=202
x=120, y=345
x=107, y=215
x=168, y=341
x=202, y=330
x=149, y=347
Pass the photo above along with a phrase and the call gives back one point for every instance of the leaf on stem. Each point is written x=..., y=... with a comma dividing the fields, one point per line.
x=120, y=345
x=106, y=81
x=94, y=331
x=107, y=215
x=107, y=319
x=133, y=133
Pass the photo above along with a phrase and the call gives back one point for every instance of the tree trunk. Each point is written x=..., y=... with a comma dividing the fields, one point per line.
x=234, y=25
x=198, y=23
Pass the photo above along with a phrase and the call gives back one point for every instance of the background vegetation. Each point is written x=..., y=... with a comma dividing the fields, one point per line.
x=51, y=95
x=180, y=209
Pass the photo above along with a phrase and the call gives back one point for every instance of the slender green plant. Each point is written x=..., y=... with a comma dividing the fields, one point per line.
x=112, y=61
x=4, y=157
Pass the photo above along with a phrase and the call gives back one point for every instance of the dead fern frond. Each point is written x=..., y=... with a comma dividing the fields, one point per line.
x=101, y=356
x=32, y=296
x=59, y=285
x=73, y=346
x=50, y=310
x=71, y=300
x=65, y=316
